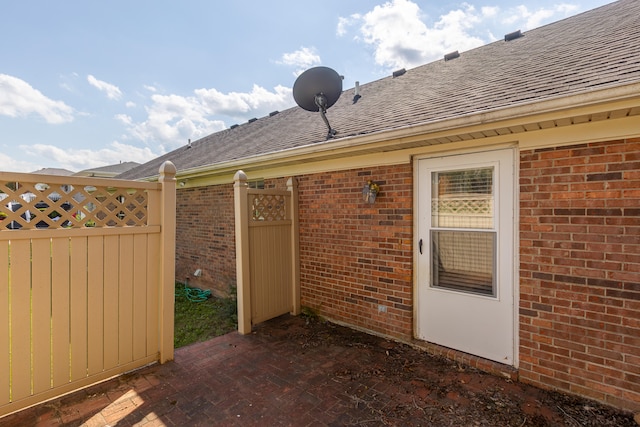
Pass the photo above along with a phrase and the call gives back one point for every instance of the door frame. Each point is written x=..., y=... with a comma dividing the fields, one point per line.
x=515, y=232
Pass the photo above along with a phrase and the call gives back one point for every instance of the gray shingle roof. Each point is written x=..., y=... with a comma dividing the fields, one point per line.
x=53, y=171
x=594, y=50
x=109, y=170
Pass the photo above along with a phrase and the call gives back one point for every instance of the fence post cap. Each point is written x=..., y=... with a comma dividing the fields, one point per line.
x=167, y=169
x=240, y=176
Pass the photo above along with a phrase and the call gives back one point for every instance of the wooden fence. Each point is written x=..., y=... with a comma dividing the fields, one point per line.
x=267, y=266
x=86, y=281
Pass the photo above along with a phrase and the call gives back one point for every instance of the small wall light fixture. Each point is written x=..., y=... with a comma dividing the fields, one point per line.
x=370, y=191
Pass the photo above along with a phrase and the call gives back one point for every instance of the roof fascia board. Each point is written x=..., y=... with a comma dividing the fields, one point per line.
x=623, y=128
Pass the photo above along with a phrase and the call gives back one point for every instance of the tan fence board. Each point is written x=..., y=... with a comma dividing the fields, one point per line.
x=78, y=249
x=111, y=259
x=20, y=297
x=4, y=322
x=60, y=297
x=139, y=296
x=41, y=314
x=153, y=294
x=95, y=295
x=125, y=301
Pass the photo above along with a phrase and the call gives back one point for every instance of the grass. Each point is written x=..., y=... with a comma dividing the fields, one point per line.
x=200, y=321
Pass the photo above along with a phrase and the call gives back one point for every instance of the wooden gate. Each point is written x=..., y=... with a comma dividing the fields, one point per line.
x=86, y=281
x=266, y=252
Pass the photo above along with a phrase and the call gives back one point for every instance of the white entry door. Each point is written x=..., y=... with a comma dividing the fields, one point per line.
x=465, y=253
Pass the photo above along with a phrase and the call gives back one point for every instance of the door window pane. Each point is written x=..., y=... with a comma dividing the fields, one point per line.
x=462, y=198
x=464, y=261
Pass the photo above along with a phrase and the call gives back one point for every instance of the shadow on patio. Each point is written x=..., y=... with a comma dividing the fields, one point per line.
x=296, y=371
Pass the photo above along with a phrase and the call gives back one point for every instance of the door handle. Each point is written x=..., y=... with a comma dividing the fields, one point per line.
x=420, y=246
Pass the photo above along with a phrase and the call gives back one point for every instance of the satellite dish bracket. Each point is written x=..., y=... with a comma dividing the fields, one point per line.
x=321, y=102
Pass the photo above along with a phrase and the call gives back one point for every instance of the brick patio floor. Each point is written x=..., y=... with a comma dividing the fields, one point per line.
x=286, y=374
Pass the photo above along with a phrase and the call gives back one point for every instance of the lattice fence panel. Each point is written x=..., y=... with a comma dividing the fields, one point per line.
x=268, y=207
x=27, y=205
x=467, y=211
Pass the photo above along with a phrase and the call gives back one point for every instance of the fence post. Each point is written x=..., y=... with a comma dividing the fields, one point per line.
x=292, y=187
x=167, y=179
x=243, y=269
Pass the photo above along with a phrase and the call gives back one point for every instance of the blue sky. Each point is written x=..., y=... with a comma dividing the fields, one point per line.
x=85, y=84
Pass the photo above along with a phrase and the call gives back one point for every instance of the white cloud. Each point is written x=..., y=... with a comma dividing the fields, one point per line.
x=123, y=118
x=20, y=99
x=258, y=102
x=12, y=165
x=535, y=18
x=343, y=24
x=112, y=91
x=402, y=36
x=173, y=119
x=490, y=11
x=130, y=104
x=79, y=159
x=401, y=39
x=303, y=58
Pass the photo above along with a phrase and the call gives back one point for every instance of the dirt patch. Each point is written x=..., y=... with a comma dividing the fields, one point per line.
x=409, y=387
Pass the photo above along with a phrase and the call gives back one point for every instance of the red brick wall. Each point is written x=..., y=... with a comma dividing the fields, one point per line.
x=205, y=237
x=580, y=270
x=356, y=259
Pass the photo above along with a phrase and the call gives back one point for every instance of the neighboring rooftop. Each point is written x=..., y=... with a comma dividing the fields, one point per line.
x=108, y=171
x=53, y=171
x=598, y=49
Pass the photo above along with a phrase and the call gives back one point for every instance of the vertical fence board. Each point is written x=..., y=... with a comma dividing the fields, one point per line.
x=79, y=307
x=60, y=297
x=111, y=260
x=4, y=322
x=95, y=295
x=139, y=296
x=20, y=303
x=125, y=300
x=153, y=295
x=41, y=313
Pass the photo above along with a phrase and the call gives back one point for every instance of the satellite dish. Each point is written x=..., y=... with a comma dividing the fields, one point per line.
x=317, y=89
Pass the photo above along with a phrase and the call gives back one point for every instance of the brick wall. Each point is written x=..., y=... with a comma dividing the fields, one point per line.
x=580, y=270
x=356, y=259
x=205, y=237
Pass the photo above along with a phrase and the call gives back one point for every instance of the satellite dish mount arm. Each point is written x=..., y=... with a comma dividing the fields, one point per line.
x=321, y=102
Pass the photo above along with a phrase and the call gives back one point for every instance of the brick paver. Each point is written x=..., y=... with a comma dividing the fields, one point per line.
x=282, y=375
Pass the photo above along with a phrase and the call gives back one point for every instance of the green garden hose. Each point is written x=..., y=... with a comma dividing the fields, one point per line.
x=193, y=294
